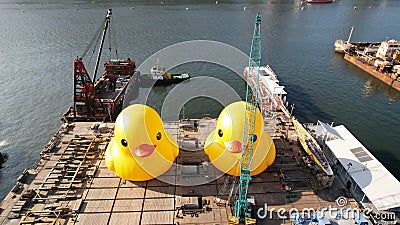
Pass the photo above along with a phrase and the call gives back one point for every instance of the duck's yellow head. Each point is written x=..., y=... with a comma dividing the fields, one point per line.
x=139, y=129
x=230, y=127
x=224, y=145
x=140, y=144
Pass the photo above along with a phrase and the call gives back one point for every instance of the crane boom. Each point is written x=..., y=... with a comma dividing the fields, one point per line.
x=249, y=123
x=106, y=25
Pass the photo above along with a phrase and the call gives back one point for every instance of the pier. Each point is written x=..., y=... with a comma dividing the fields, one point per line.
x=70, y=184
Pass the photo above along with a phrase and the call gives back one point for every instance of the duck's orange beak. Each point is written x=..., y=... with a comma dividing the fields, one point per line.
x=143, y=150
x=234, y=146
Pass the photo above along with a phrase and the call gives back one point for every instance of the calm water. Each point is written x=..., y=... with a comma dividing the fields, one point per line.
x=40, y=39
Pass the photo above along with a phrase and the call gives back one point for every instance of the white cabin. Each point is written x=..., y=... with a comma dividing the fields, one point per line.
x=387, y=49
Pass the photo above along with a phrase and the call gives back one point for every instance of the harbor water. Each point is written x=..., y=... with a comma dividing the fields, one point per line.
x=40, y=39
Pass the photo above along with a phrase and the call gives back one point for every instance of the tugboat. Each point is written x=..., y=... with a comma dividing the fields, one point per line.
x=159, y=76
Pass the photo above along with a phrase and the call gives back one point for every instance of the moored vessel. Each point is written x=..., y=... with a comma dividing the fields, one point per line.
x=380, y=59
x=160, y=76
x=372, y=185
x=311, y=146
x=272, y=94
x=100, y=100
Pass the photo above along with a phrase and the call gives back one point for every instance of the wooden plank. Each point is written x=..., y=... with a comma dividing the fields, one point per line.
x=160, y=192
x=101, y=194
x=93, y=219
x=159, y=204
x=163, y=217
x=96, y=206
x=125, y=218
x=124, y=193
x=128, y=205
x=105, y=182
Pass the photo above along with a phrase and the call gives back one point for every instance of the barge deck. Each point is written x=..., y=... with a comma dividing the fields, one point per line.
x=380, y=59
x=384, y=77
x=70, y=184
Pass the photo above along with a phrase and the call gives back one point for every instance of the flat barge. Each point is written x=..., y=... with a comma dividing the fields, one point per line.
x=70, y=183
x=390, y=78
x=381, y=60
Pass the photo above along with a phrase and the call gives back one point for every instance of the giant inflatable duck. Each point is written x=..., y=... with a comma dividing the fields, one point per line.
x=224, y=145
x=141, y=149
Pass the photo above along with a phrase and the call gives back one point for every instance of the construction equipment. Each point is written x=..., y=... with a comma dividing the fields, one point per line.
x=248, y=130
x=84, y=90
x=100, y=100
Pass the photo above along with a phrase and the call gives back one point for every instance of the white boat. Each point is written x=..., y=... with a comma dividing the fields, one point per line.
x=160, y=76
x=271, y=95
x=158, y=72
x=311, y=146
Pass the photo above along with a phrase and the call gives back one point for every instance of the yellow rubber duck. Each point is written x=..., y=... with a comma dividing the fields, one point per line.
x=141, y=149
x=224, y=145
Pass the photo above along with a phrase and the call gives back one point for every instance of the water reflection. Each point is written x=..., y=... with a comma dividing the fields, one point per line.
x=372, y=84
x=368, y=88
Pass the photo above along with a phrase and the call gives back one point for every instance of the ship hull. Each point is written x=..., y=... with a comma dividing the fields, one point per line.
x=372, y=70
x=148, y=81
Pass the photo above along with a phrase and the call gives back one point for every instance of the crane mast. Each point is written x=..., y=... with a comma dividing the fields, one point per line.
x=249, y=123
x=84, y=87
x=106, y=25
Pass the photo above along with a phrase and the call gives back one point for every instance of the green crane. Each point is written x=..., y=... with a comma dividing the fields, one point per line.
x=249, y=124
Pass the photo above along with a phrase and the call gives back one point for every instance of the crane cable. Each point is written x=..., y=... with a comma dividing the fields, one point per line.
x=95, y=39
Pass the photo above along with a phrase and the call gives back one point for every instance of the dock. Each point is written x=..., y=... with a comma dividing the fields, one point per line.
x=70, y=184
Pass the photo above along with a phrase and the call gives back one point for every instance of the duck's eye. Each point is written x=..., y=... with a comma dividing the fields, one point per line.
x=254, y=138
x=158, y=136
x=124, y=143
x=220, y=134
